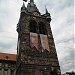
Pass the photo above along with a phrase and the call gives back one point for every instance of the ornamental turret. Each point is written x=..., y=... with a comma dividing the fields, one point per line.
x=23, y=8
x=31, y=7
x=47, y=15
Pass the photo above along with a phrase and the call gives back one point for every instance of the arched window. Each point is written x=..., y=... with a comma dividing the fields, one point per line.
x=42, y=28
x=43, y=36
x=33, y=34
x=33, y=26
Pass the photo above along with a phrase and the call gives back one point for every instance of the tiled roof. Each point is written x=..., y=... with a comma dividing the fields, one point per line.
x=6, y=56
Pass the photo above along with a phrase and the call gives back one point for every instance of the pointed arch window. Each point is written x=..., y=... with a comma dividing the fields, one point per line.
x=33, y=34
x=33, y=26
x=43, y=36
x=42, y=28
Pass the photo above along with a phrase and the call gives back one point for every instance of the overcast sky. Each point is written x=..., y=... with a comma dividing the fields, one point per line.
x=62, y=25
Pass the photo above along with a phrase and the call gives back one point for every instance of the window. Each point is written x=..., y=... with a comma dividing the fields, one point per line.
x=12, y=67
x=5, y=66
x=42, y=28
x=33, y=26
x=43, y=73
x=0, y=64
x=33, y=34
x=12, y=72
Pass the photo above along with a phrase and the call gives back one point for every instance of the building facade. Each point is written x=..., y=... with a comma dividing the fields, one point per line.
x=7, y=64
x=36, y=53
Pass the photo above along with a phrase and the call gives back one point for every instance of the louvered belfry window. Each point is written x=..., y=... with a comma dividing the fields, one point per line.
x=42, y=28
x=33, y=26
x=43, y=36
x=38, y=35
x=33, y=34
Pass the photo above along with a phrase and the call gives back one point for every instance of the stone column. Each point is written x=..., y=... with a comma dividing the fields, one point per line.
x=2, y=73
x=15, y=71
x=9, y=71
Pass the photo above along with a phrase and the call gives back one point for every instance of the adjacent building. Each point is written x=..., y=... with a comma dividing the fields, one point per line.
x=7, y=64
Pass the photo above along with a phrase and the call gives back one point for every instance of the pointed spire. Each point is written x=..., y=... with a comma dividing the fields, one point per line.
x=46, y=10
x=23, y=5
x=23, y=8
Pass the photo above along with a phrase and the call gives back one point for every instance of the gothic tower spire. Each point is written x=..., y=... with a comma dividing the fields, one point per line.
x=23, y=5
x=23, y=8
x=46, y=10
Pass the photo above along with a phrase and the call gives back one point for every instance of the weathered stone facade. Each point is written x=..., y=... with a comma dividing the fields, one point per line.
x=30, y=61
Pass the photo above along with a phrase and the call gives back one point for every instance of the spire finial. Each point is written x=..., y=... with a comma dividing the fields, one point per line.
x=23, y=8
x=46, y=9
x=23, y=5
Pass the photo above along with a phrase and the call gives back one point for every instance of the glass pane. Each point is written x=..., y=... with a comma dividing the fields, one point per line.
x=5, y=65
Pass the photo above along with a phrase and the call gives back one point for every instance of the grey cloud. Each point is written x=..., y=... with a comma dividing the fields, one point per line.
x=66, y=59
x=67, y=66
x=8, y=44
x=66, y=39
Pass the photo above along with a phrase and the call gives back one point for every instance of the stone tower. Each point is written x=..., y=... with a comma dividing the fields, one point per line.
x=36, y=53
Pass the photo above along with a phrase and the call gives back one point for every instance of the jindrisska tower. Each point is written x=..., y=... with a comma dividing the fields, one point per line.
x=36, y=53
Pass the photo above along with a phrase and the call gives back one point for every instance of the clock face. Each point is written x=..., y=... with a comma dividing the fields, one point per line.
x=36, y=14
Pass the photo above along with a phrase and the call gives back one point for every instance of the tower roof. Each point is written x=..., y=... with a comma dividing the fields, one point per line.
x=31, y=7
x=7, y=56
